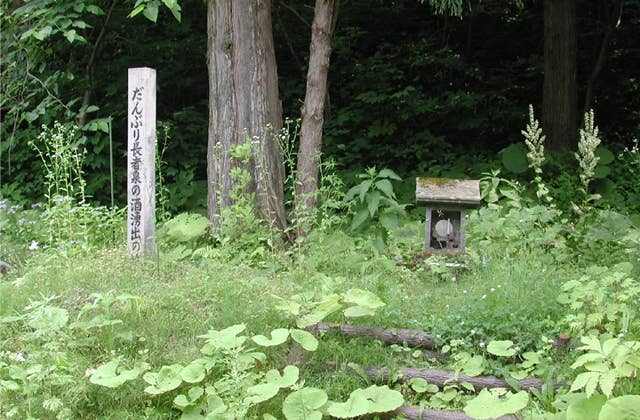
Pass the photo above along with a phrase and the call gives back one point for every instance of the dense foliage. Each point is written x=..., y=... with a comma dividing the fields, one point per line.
x=408, y=89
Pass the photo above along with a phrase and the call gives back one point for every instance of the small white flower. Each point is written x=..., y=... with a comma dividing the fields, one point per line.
x=473, y=332
x=33, y=246
x=620, y=335
x=464, y=291
x=484, y=296
x=89, y=372
x=493, y=289
x=499, y=286
x=516, y=348
x=438, y=336
x=481, y=345
x=406, y=297
x=454, y=279
x=20, y=357
x=461, y=322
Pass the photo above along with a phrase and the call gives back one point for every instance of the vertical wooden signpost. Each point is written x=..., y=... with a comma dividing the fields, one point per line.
x=141, y=162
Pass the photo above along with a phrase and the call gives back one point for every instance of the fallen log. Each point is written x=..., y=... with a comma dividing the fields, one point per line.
x=417, y=413
x=5, y=267
x=413, y=338
x=444, y=377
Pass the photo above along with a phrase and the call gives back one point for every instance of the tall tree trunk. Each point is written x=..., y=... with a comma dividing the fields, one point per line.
x=243, y=101
x=612, y=20
x=559, y=96
x=313, y=109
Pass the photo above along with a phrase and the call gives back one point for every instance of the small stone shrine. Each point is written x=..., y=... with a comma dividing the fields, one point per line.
x=447, y=201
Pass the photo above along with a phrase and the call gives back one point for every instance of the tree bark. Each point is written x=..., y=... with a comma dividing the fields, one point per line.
x=426, y=413
x=444, y=377
x=313, y=110
x=612, y=21
x=413, y=338
x=243, y=104
x=559, y=96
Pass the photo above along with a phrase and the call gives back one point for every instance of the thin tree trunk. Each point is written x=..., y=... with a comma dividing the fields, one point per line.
x=243, y=104
x=91, y=65
x=613, y=19
x=559, y=96
x=313, y=110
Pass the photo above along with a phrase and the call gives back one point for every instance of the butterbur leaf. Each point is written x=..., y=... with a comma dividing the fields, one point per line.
x=363, y=298
x=586, y=409
x=419, y=385
x=223, y=339
x=288, y=378
x=358, y=311
x=374, y=399
x=167, y=379
x=304, y=403
x=626, y=407
x=501, y=348
x=261, y=392
x=193, y=373
x=305, y=339
x=278, y=336
x=474, y=366
x=495, y=403
x=107, y=376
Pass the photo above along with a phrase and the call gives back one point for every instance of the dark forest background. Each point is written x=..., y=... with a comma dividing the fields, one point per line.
x=409, y=89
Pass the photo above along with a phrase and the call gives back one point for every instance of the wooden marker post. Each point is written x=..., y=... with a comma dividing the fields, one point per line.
x=141, y=162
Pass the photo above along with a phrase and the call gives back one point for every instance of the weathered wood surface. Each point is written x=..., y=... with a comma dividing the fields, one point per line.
x=5, y=267
x=428, y=414
x=443, y=377
x=413, y=338
x=141, y=162
x=443, y=191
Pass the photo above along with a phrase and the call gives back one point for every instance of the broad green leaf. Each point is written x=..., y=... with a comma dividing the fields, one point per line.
x=261, y=392
x=151, y=11
x=474, y=366
x=194, y=372
x=514, y=158
x=363, y=298
x=601, y=171
x=278, y=336
x=626, y=407
x=43, y=33
x=374, y=399
x=419, y=385
x=586, y=409
x=364, y=188
x=501, y=348
x=223, y=339
x=607, y=382
x=586, y=380
x=93, y=9
x=303, y=404
x=605, y=155
x=495, y=403
x=353, y=191
x=388, y=173
x=48, y=318
x=167, y=379
x=137, y=10
x=361, y=216
x=389, y=220
x=70, y=35
x=373, y=202
x=305, y=339
x=289, y=377
x=358, y=311
x=106, y=375
x=385, y=186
